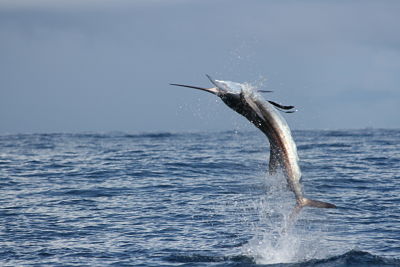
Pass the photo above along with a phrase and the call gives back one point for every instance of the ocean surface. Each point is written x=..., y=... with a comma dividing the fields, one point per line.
x=197, y=199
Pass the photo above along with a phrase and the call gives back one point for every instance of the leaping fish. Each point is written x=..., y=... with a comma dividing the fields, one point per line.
x=265, y=116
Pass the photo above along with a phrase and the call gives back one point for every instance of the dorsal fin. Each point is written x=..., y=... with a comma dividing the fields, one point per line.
x=280, y=106
x=283, y=108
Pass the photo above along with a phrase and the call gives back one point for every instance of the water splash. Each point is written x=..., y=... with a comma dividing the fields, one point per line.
x=267, y=251
x=273, y=241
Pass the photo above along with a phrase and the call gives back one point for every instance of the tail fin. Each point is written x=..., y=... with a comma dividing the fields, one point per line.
x=316, y=204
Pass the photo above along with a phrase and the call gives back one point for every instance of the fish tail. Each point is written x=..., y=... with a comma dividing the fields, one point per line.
x=316, y=204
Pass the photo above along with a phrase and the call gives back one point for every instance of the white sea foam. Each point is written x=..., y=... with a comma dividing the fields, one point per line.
x=272, y=244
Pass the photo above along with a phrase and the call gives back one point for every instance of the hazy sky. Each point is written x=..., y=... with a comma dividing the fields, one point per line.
x=71, y=66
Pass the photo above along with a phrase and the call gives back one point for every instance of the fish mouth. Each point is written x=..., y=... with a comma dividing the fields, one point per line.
x=213, y=90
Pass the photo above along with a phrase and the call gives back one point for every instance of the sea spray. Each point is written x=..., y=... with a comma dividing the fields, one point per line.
x=275, y=239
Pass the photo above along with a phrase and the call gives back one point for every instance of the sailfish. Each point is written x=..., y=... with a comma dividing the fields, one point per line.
x=265, y=116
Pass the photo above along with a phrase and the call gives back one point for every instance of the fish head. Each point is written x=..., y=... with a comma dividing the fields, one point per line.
x=229, y=92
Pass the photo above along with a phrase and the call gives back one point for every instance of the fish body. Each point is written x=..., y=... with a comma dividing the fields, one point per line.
x=265, y=116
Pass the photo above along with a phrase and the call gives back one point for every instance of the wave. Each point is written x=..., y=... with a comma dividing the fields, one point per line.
x=123, y=135
x=97, y=135
x=354, y=258
x=350, y=258
x=198, y=258
x=151, y=135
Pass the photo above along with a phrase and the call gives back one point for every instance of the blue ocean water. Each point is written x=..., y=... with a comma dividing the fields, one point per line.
x=197, y=199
